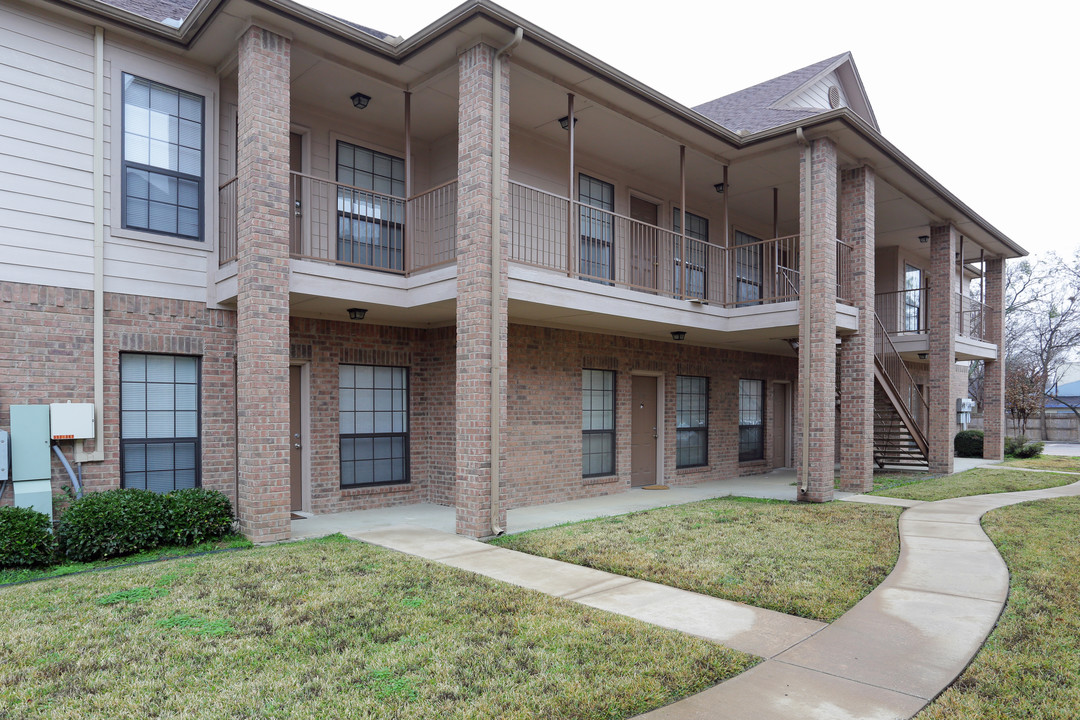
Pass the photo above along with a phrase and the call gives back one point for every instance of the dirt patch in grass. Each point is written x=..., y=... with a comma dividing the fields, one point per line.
x=980, y=481
x=814, y=561
x=1029, y=667
x=330, y=629
x=1062, y=463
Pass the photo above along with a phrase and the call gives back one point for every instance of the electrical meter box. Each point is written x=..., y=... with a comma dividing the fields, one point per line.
x=5, y=456
x=71, y=421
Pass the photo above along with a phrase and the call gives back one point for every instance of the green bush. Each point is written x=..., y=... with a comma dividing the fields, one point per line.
x=195, y=515
x=111, y=523
x=1021, y=448
x=26, y=538
x=968, y=444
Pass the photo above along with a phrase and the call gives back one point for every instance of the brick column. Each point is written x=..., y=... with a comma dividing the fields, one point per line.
x=817, y=325
x=262, y=334
x=942, y=298
x=857, y=350
x=994, y=370
x=475, y=345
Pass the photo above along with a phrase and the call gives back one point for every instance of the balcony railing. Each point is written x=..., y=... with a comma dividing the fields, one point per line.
x=972, y=317
x=903, y=311
x=549, y=231
x=349, y=225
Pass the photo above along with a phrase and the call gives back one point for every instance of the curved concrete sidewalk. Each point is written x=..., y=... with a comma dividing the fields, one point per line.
x=902, y=644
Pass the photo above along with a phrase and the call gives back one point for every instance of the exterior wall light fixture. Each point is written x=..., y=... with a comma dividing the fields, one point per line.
x=564, y=122
x=718, y=187
x=678, y=335
x=360, y=100
x=357, y=313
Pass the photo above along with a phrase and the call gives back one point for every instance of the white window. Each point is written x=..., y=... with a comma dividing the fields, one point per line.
x=159, y=421
x=162, y=159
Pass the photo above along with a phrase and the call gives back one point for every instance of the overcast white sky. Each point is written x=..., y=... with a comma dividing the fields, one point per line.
x=981, y=94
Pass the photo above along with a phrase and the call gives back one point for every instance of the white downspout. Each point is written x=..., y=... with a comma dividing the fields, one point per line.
x=98, y=455
x=804, y=312
x=496, y=275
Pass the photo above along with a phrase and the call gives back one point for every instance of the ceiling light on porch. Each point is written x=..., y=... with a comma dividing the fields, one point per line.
x=678, y=335
x=718, y=187
x=923, y=356
x=924, y=239
x=360, y=100
x=357, y=313
x=564, y=122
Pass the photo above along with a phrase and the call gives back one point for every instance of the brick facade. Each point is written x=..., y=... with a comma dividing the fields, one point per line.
x=817, y=327
x=262, y=343
x=994, y=371
x=941, y=295
x=856, y=429
x=477, y=349
x=46, y=355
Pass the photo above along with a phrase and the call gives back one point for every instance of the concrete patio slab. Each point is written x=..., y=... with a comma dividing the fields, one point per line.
x=777, y=691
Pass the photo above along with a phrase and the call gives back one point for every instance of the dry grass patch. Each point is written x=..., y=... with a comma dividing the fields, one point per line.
x=1047, y=462
x=815, y=561
x=330, y=629
x=979, y=481
x=1029, y=667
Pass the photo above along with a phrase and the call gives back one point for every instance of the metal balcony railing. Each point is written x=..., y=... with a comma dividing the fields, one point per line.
x=903, y=311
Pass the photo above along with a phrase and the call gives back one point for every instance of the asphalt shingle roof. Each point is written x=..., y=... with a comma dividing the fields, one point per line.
x=750, y=109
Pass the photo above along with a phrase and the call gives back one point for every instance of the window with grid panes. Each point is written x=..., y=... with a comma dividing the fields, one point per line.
x=371, y=212
x=748, y=269
x=751, y=420
x=691, y=421
x=697, y=228
x=597, y=228
x=373, y=407
x=159, y=422
x=597, y=422
x=162, y=159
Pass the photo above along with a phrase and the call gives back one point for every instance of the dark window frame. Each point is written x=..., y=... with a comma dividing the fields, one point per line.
x=913, y=296
x=175, y=440
x=749, y=269
x=387, y=253
x=610, y=433
x=701, y=431
x=406, y=436
x=697, y=259
x=594, y=213
x=752, y=450
x=125, y=164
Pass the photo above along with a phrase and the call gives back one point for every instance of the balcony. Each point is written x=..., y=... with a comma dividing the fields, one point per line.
x=905, y=316
x=358, y=227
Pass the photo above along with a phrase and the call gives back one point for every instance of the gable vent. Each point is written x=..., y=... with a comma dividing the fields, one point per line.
x=834, y=96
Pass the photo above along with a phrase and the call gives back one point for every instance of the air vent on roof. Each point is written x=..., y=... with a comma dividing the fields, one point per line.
x=834, y=96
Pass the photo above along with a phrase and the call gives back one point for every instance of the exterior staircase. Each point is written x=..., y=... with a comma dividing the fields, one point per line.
x=900, y=408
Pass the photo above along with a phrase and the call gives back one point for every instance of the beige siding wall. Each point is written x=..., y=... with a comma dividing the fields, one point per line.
x=46, y=150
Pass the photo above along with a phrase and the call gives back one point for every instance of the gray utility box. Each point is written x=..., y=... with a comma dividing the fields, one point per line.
x=5, y=456
x=31, y=457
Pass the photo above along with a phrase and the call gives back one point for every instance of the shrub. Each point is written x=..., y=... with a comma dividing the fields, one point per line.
x=111, y=523
x=1022, y=448
x=26, y=539
x=194, y=515
x=968, y=444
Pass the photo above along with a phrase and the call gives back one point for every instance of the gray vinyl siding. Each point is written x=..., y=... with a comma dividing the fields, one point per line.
x=816, y=96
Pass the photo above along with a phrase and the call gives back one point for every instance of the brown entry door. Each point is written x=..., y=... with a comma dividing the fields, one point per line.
x=644, y=252
x=296, y=454
x=643, y=431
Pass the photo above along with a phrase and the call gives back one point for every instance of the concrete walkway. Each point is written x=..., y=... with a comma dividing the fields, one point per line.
x=902, y=644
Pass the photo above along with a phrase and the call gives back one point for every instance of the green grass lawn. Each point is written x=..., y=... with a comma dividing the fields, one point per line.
x=979, y=481
x=330, y=629
x=12, y=575
x=815, y=561
x=1029, y=668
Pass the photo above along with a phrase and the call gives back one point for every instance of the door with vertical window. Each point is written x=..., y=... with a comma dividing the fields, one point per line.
x=913, y=280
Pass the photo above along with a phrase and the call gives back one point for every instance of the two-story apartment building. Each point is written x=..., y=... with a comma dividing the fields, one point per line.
x=320, y=268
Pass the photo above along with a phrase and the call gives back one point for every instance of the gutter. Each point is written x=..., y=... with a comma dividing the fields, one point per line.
x=496, y=275
x=98, y=455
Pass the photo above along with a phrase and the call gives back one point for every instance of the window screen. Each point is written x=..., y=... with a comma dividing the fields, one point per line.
x=159, y=421
x=373, y=407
